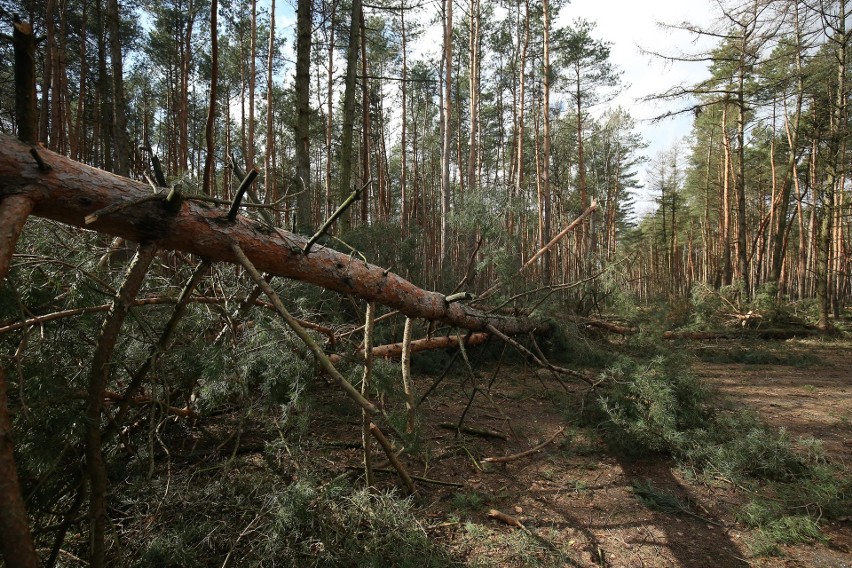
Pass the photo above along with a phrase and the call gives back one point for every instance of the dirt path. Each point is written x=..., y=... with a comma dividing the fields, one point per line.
x=576, y=500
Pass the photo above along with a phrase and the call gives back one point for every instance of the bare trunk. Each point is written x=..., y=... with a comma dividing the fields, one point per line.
x=544, y=209
x=473, y=53
x=366, y=133
x=209, y=130
x=101, y=365
x=25, y=97
x=119, y=107
x=403, y=170
x=345, y=178
x=16, y=540
x=725, y=233
x=269, y=158
x=446, y=134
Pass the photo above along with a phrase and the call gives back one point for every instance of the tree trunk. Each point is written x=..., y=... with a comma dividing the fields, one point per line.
x=403, y=167
x=331, y=16
x=25, y=96
x=99, y=379
x=48, y=91
x=271, y=192
x=119, y=107
x=832, y=182
x=77, y=141
x=16, y=541
x=210, y=126
x=519, y=130
x=473, y=79
x=446, y=134
x=349, y=108
x=366, y=134
x=792, y=131
x=71, y=191
x=725, y=232
x=252, y=81
x=544, y=210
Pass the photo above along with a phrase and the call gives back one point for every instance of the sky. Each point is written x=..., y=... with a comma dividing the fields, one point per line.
x=631, y=26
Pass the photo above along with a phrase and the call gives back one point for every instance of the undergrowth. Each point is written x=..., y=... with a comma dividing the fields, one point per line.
x=656, y=405
x=756, y=354
x=248, y=517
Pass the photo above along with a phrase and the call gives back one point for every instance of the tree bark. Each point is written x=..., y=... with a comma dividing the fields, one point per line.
x=349, y=108
x=210, y=125
x=446, y=134
x=269, y=158
x=119, y=106
x=544, y=208
x=70, y=191
x=101, y=370
x=25, y=96
x=16, y=541
x=252, y=81
x=403, y=167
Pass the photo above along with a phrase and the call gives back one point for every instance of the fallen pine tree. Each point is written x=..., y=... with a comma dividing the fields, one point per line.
x=70, y=192
x=36, y=181
x=734, y=333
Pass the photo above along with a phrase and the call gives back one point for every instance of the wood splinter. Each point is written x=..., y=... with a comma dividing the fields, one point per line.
x=508, y=519
x=458, y=297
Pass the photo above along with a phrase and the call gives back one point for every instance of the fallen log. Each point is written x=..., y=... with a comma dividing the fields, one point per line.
x=767, y=334
x=394, y=350
x=609, y=326
x=70, y=191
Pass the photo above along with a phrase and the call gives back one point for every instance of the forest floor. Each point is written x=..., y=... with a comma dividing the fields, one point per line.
x=576, y=500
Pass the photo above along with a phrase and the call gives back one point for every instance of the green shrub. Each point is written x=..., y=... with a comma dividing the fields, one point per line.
x=658, y=406
x=250, y=518
x=649, y=406
x=567, y=345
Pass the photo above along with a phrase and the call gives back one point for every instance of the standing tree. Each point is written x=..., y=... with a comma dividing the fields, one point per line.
x=590, y=74
x=303, y=112
x=446, y=132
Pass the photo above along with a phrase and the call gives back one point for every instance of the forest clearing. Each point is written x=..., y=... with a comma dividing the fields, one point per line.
x=370, y=288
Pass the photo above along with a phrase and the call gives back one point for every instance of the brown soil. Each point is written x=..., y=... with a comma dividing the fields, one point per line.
x=574, y=498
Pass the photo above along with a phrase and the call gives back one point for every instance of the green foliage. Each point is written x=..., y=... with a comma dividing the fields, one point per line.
x=300, y=524
x=657, y=406
x=774, y=527
x=708, y=306
x=469, y=501
x=566, y=345
x=657, y=499
x=372, y=241
x=739, y=446
x=649, y=406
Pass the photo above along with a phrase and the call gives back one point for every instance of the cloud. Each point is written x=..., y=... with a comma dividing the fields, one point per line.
x=633, y=27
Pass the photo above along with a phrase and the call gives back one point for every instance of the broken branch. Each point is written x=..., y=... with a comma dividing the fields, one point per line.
x=538, y=448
